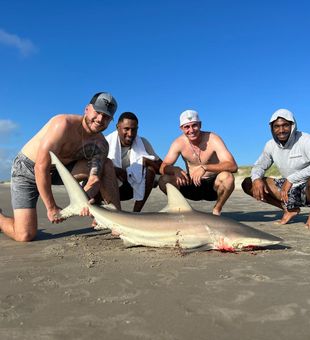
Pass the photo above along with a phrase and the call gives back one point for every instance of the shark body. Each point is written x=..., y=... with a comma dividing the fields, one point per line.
x=178, y=225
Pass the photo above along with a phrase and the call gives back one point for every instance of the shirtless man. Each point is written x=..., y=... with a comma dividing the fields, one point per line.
x=289, y=150
x=209, y=164
x=78, y=143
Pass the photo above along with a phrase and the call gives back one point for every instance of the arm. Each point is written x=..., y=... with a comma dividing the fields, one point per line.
x=53, y=140
x=167, y=167
x=298, y=176
x=100, y=149
x=155, y=164
x=302, y=175
x=263, y=163
x=226, y=161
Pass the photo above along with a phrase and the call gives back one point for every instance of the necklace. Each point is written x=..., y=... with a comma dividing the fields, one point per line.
x=87, y=148
x=195, y=153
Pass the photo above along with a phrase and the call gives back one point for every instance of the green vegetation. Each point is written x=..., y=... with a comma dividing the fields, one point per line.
x=245, y=171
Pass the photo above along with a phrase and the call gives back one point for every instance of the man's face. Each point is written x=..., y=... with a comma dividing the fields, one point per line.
x=127, y=130
x=191, y=130
x=281, y=129
x=96, y=121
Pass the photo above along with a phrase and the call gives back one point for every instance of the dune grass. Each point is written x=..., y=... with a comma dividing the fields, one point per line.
x=245, y=171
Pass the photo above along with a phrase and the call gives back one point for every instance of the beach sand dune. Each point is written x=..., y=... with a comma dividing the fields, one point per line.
x=76, y=283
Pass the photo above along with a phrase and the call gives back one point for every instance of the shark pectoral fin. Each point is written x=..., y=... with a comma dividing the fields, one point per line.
x=69, y=211
x=101, y=226
x=77, y=196
x=109, y=206
x=176, y=201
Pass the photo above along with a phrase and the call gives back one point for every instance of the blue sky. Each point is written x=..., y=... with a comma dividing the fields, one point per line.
x=235, y=62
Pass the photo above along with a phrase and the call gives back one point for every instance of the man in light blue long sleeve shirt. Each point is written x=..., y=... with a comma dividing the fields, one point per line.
x=289, y=150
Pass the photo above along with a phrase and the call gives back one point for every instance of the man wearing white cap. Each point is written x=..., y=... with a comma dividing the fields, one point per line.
x=209, y=164
x=289, y=150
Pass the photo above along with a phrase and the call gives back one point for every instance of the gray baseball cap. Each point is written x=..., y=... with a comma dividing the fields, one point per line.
x=104, y=102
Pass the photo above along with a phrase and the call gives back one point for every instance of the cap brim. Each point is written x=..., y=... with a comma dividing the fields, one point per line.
x=192, y=121
x=101, y=111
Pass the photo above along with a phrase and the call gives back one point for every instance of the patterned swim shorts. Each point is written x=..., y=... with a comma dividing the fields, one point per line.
x=296, y=196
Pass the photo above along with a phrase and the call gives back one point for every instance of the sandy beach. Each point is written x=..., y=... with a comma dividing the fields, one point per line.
x=77, y=283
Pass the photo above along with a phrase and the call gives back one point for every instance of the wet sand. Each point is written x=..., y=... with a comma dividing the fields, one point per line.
x=76, y=283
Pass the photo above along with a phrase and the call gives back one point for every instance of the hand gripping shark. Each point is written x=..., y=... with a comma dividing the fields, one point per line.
x=178, y=225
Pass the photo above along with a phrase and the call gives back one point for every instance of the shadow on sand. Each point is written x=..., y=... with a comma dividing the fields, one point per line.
x=262, y=216
x=43, y=235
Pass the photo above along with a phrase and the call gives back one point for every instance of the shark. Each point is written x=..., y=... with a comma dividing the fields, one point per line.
x=178, y=225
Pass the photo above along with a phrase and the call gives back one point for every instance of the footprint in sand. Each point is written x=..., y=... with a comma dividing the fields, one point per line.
x=244, y=296
x=167, y=278
x=277, y=313
x=247, y=275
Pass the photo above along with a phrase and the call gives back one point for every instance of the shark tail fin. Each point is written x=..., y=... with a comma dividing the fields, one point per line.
x=77, y=196
x=176, y=201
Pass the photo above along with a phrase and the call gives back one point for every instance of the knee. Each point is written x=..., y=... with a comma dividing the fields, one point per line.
x=163, y=180
x=108, y=165
x=25, y=236
x=150, y=172
x=226, y=179
x=308, y=192
x=247, y=185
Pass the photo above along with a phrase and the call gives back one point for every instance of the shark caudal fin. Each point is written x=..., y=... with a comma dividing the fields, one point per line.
x=176, y=201
x=77, y=196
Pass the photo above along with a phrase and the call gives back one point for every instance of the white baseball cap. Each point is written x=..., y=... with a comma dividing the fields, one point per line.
x=189, y=116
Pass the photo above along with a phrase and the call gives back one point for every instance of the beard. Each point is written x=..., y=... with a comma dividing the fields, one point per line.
x=93, y=127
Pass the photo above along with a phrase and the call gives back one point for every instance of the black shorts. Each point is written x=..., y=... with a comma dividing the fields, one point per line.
x=125, y=191
x=203, y=192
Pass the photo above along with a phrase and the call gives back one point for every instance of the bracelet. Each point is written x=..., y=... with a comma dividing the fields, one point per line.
x=203, y=168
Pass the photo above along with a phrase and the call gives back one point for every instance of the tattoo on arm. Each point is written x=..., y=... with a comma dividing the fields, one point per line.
x=95, y=155
x=96, y=165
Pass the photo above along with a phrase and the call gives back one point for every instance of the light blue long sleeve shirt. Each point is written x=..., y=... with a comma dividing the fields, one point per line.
x=292, y=159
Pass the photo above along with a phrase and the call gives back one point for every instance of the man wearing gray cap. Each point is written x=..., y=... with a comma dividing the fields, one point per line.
x=289, y=150
x=209, y=164
x=78, y=142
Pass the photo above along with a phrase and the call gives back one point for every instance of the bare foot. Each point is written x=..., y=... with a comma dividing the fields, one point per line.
x=216, y=212
x=115, y=233
x=288, y=215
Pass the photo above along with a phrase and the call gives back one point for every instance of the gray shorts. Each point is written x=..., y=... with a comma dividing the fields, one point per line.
x=24, y=191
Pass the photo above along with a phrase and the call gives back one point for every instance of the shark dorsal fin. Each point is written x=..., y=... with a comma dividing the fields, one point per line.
x=176, y=201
